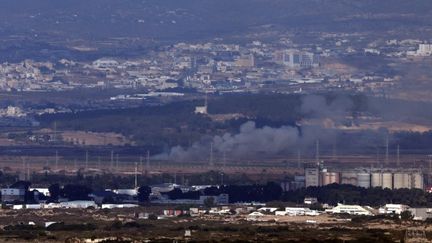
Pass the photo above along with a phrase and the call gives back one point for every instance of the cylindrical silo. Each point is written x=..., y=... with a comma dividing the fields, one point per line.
x=398, y=180
x=349, y=178
x=334, y=177
x=387, y=180
x=376, y=179
x=364, y=180
x=417, y=181
x=329, y=178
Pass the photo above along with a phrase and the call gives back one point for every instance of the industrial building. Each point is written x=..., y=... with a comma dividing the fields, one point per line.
x=391, y=178
x=312, y=176
x=351, y=209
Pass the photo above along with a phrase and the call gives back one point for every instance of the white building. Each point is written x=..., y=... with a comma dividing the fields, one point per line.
x=310, y=200
x=424, y=50
x=351, y=209
x=254, y=216
x=112, y=206
x=9, y=195
x=296, y=59
x=393, y=209
x=105, y=63
x=267, y=210
x=421, y=213
x=129, y=192
x=78, y=204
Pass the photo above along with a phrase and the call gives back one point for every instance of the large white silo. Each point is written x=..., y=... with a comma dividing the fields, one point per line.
x=364, y=180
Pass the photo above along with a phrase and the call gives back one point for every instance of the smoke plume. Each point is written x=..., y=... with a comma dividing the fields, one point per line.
x=248, y=142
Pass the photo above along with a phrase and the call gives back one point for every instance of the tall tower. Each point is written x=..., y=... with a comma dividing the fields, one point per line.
x=298, y=159
x=86, y=160
x=136, y=175
x=112, y=160
x=387, y=151
x=148, y=161
x=224, y=161
x=56, y=160
x=28, y=171
x=211, y=156
x=398, y=156
x=117, y=163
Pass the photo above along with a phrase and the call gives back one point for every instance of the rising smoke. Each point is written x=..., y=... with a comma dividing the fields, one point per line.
x=252, y=141
x=249, y=141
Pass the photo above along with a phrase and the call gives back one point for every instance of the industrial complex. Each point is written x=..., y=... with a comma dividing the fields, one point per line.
x=391, y=178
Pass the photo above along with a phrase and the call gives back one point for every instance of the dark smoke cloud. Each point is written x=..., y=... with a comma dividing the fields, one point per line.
x=249, y=141
x=252, y=142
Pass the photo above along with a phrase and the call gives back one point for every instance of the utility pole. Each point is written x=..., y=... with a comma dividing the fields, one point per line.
x=224, y=161
x=23, y=166
x=387, y=151
x=377, y=157
x=398, y=156
x=55, y=131
x=430, y=163
x=334, y=152
x=112, y=160
x=86, y=160
x=117, y=163
x=136, y=175
x=211, y=156
x=298, y=159
x=56, y=160
x=28, y=171
x=148, y=161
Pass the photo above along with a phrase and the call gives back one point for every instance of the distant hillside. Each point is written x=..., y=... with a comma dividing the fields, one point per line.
x=181, y=19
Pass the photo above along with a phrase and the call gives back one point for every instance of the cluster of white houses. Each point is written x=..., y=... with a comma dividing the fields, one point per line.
x=357, y=210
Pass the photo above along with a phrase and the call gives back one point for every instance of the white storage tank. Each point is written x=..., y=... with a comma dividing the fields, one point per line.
x=364, y=180
x=387, y=180
x=329, y=178
x=417, y=181
x=349, y=178
x=401, y=180
x=376, y=179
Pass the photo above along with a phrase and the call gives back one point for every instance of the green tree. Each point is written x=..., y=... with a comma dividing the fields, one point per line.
x=144, y=193
x=406, y=215
x=209, y=202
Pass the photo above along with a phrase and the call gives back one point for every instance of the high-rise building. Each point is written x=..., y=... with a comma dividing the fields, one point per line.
x=296, y=59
